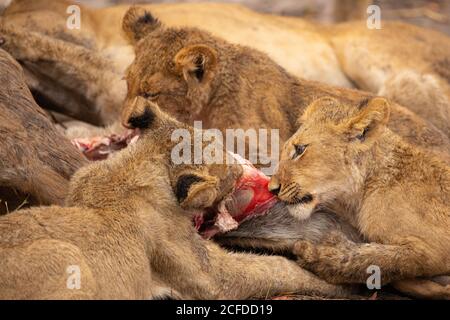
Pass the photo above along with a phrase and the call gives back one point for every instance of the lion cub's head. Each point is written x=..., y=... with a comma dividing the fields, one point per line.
x=173, y=67
x=321, y=161
x=153, y=165
x=195, y=185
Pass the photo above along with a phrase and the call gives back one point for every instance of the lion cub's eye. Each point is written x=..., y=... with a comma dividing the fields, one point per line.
x=299, y=150
x=151, y=95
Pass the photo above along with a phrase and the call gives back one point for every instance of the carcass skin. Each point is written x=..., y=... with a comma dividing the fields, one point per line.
x=278, y=230
x=36, y=158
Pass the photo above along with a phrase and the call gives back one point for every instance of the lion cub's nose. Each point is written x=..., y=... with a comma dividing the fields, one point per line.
x=274, y=186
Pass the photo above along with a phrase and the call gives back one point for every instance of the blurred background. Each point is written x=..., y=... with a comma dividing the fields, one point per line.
x=429, y=13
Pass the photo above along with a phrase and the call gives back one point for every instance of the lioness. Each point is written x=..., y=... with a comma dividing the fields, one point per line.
x=397, y=196
x=406, y=63
x=124, y=236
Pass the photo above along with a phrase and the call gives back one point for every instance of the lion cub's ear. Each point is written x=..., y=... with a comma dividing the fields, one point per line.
x=195, y=191
x=197, y=63
x=370, y=120
x=137, y=23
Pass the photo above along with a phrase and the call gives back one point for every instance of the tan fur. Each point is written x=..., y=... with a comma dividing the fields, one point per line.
x=398, y=57
x=343, y=54
x=130, y=239
x=396, y=195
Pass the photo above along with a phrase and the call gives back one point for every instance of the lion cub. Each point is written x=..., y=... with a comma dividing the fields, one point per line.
x=345, y=159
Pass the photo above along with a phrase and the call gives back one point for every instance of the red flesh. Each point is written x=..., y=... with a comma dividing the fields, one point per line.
x=250, y=198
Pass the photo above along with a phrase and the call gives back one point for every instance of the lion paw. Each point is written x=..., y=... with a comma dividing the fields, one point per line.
x=306, y=252
x=322, y=260
x=20, y=44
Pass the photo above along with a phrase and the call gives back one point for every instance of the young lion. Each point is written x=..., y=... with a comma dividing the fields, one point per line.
x=196, y=76
x=124, y=236
x=397, y=196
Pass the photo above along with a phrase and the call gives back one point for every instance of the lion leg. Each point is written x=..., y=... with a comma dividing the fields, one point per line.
x=46, y=269
x=423, y=289
x=83, y=74
x=243, y=276
x=348, y=263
